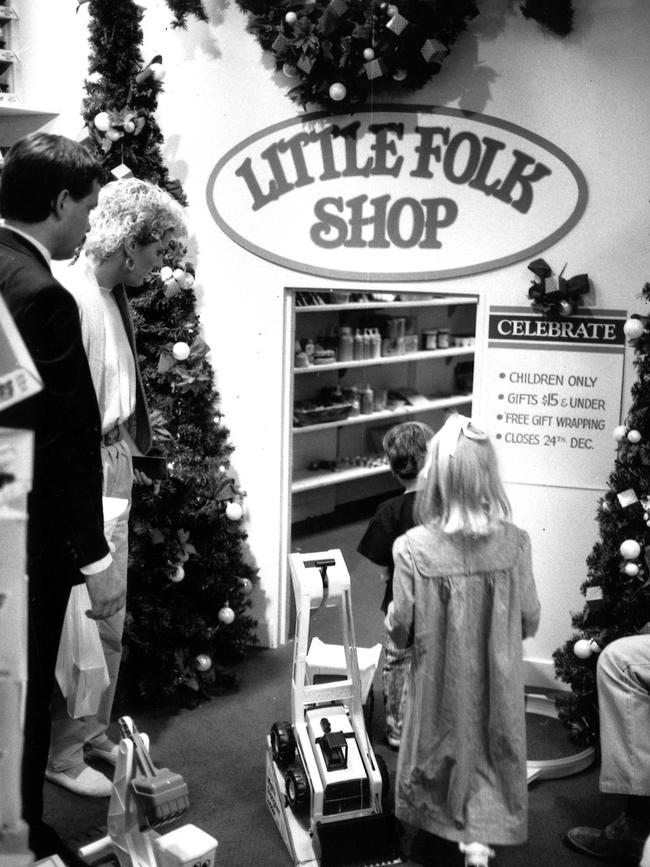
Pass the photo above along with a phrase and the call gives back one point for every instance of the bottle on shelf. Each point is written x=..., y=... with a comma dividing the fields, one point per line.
x=346, y=344
x=357, y=352
x=376, y=344
x=367, y=343
x=367, y=402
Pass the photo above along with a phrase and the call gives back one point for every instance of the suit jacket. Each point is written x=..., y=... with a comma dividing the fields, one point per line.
x=65, y=527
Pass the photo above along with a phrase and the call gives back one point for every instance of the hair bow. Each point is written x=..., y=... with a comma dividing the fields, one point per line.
x=451, y=431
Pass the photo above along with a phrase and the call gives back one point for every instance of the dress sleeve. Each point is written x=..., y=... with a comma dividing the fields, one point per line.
x=399, y=619
x=530, y=607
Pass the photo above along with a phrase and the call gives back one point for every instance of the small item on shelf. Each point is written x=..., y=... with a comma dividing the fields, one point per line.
x=410, y=343
x=463, y=340
x=367, y=343
x=309, y=348
x=351, y=395
x=376, y=343
x=300, y=358
x=367, y=401
x=323, y=356
x=346, y=344
x=444, y=338
x=307, y=412
x=357, y=348
x=379, y=399
x=430, y=339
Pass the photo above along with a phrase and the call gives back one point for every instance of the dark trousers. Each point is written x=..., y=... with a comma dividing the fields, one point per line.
x=48, y=598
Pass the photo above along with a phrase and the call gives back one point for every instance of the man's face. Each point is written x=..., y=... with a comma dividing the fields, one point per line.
x=74, y=223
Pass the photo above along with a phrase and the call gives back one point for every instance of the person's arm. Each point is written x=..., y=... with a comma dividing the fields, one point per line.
x=530, y=607
x=400, y=615
x=68, y=421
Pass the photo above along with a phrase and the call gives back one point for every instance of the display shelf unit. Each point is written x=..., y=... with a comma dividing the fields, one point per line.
x=351, y=441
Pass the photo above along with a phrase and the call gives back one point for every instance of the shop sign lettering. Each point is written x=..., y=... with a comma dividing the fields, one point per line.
x=397, y=193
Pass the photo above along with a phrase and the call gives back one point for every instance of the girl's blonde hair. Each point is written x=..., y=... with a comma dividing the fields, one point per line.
x=463, y=492
x=135, y=210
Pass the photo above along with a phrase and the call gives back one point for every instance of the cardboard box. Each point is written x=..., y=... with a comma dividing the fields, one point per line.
x=19, y=378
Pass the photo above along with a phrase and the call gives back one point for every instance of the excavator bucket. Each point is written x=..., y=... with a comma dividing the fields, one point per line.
x=368, y=841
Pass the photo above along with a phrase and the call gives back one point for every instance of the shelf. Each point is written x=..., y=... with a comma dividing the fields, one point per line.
x=437, y=403
x=442, y=301
x=388, y=359
x=309, y=481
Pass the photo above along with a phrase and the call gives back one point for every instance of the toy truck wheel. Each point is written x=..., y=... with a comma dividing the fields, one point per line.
x=297, y=789
x=283, y=745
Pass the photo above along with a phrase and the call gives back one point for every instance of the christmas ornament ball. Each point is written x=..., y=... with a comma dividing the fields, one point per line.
x=289, y=70
x=102, y=121
x=234, y=512
x=619, y=432
x=203, y=662
x=189, y=280
x=181, y=351
x=166, y=273
x=291, y=17
x=392, y=10
x=246, y=585
x=114, y=134
x=566, y=308
x=179, y=275
x=368, y=54
x=630, y=549
x=128, y=126
x=634, y=436
x=582, y=648
x=338, y=91
x=631, y=569
x=633, y=328
x=226, y=615
x=400, y=74
x=157, y=71
x=178, y=574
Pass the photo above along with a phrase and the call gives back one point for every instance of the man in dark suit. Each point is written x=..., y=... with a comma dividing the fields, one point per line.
x=48, y=186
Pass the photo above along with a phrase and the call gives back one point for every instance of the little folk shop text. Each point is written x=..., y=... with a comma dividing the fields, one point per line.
x=435, y=154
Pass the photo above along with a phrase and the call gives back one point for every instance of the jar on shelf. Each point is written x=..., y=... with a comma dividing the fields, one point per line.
x=444, y=338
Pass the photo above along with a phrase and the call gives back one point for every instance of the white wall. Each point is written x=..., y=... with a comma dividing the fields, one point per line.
x=586, y=93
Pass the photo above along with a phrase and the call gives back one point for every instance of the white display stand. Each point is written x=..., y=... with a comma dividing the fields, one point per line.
x=16, y=475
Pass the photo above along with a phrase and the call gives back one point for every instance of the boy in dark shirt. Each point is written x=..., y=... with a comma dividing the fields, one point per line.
x=405, y=446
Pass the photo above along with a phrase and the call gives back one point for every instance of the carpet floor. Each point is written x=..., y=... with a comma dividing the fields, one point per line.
x=219, y=749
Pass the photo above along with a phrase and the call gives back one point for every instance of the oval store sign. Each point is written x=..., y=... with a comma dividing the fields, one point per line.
x=396, y=193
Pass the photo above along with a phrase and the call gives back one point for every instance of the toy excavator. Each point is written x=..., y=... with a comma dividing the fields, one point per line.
x=324, y=784
x=144, y=798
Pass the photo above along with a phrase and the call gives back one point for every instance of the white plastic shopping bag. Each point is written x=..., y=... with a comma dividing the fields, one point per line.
x=80, y=664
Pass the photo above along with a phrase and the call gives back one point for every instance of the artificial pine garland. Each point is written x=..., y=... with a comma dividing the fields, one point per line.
x=342, y=53
x=190, y=569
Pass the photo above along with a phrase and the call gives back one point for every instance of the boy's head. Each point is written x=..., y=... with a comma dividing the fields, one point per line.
x=405, y=446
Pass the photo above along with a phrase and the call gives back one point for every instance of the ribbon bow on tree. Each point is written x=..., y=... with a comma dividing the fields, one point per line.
x=555, y=296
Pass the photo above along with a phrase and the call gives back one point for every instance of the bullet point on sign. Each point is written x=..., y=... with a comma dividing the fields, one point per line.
x=500, y=397
x=502, y=376
x=499, y=417
x=498, y=436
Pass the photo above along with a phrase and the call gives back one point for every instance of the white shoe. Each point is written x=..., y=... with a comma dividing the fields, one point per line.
x=476, y=854
x=89, y=782
x=107, y=753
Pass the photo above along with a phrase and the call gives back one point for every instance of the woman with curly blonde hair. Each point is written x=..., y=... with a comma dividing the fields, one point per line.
x=130, y=230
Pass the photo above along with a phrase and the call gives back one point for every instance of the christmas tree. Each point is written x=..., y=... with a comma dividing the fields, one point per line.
x=617, y=589
x=190, y=569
